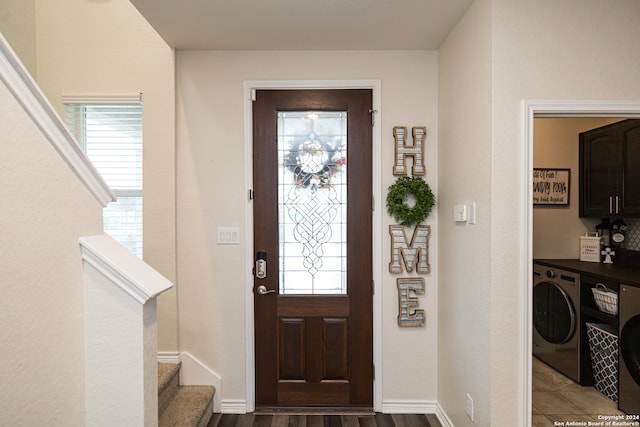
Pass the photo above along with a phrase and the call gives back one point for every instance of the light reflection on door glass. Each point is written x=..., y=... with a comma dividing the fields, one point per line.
x=312, y=202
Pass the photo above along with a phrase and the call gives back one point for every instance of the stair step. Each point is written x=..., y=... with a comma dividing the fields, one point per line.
x=168, y=382
x=191, y=406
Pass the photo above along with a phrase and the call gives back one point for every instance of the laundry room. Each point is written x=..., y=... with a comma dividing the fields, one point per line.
x=586, y=269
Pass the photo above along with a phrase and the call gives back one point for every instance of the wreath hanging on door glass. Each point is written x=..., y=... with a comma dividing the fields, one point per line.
x=410, y=200
x=315, y=162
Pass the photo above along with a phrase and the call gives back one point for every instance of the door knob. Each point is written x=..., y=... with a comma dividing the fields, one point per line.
x=262, y=290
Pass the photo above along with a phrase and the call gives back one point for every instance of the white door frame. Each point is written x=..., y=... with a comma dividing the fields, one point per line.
x=530, y=110
x=250, y=86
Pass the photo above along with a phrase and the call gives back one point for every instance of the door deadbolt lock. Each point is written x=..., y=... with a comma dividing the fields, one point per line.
x=261, y=265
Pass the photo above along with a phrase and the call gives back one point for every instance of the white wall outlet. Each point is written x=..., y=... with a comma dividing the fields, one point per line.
x=469, y=407
x=460, y=213
x=228, y=236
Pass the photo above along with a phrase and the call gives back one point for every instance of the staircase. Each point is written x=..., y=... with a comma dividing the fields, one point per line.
x=182, y=406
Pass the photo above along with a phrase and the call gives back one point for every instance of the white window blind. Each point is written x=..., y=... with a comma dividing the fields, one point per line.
x=111, y=134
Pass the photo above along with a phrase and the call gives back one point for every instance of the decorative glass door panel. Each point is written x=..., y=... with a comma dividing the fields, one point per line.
x=312, y=202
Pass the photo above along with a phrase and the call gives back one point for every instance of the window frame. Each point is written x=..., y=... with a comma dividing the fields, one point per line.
x=75, y=115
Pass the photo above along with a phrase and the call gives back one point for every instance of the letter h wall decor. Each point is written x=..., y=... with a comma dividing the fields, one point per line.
x=409, y=201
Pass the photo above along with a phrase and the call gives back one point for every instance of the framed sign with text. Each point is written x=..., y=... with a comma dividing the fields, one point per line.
x=551, y=187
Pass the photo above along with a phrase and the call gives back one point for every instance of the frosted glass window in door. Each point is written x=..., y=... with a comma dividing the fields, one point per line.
x=312, y=202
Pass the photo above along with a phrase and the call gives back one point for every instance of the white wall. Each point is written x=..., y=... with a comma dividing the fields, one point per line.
x=556, y=229
x=212, y=279
x=465, y=165
x=18, y=26
x=44, y=210
x=543, y=50
x=540, y=50
x=108, y=47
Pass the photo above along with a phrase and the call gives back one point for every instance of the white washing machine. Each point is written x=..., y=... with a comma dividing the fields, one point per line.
x=556, y=318
x=629, y=350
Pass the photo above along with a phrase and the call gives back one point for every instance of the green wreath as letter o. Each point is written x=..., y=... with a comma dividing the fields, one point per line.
x=397, y=196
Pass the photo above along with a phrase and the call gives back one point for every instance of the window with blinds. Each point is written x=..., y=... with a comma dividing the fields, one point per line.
x=111, y=135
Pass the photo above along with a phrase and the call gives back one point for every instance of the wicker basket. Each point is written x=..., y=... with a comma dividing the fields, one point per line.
x=606, y=299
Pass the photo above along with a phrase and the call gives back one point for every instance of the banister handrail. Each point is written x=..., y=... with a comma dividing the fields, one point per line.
x=123, y=268
x=28, y=94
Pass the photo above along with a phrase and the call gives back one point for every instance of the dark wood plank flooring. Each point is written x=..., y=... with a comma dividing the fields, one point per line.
x=277, y=420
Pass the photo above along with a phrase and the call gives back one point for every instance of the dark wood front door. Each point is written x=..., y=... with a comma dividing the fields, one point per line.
x=313, y=229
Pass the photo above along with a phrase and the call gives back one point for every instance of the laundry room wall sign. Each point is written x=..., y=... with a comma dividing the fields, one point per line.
x=409, y=202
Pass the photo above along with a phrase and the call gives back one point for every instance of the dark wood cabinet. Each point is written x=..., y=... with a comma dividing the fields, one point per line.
x=610, y=170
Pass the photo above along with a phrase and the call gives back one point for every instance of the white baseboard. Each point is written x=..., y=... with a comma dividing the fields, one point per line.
x=234, y=407
x=416, y=407
x=194, y=372
x=169, y=357
x=442, y=417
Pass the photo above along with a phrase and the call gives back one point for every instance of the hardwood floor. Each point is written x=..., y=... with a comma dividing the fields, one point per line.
x=377, y=420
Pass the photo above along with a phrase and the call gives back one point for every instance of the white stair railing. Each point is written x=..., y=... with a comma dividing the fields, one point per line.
x=26, y=91
x=121, y=342
x=120, y=290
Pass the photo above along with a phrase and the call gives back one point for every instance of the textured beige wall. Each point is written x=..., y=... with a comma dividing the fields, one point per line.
x=44, y=210
x=212, y=193
x=538, y=50
x=108, y=47
x=542, y=50
x=464, y=164
x=556, y=228
x=18, y=27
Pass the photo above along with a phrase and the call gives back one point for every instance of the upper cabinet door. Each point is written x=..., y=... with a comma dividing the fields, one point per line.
x=600, y=164
x=630, y=137
x=610, y=171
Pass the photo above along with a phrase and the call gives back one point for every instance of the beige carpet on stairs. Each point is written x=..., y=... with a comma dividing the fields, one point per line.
x=183, y=406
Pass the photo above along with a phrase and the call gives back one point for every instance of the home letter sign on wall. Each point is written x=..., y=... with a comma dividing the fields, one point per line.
x=409, y=201
x=408, y=314
x=414, y=253
x=404, y=150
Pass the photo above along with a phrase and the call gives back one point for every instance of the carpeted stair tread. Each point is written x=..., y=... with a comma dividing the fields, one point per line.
x=166, y=371
x=191, y=406
x=168, y=382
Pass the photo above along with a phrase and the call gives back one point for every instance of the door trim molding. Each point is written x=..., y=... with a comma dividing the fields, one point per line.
x=249, y=86
x=531, y=109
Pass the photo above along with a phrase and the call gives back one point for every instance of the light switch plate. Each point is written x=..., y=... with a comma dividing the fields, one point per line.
x=228, y=236
x=460, y=213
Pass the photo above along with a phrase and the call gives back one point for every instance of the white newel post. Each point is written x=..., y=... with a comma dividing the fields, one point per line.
x=120, y=335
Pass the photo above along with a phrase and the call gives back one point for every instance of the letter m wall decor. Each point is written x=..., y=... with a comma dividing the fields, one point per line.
x=413, y=254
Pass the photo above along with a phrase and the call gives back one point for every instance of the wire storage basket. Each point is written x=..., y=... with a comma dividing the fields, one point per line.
x=606, y=299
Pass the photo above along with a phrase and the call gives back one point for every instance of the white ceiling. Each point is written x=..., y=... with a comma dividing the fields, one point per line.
x=303, y=24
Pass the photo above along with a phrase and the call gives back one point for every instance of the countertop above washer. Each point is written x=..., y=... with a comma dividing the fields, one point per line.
x=626, y=271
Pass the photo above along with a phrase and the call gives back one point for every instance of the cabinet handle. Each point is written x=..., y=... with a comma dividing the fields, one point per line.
x=610, y=204
x=617, y=203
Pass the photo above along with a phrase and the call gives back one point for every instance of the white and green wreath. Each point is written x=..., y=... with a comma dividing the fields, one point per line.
x=399, y=196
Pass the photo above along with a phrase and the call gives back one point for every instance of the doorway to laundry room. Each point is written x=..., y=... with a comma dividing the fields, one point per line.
x=556, y=391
